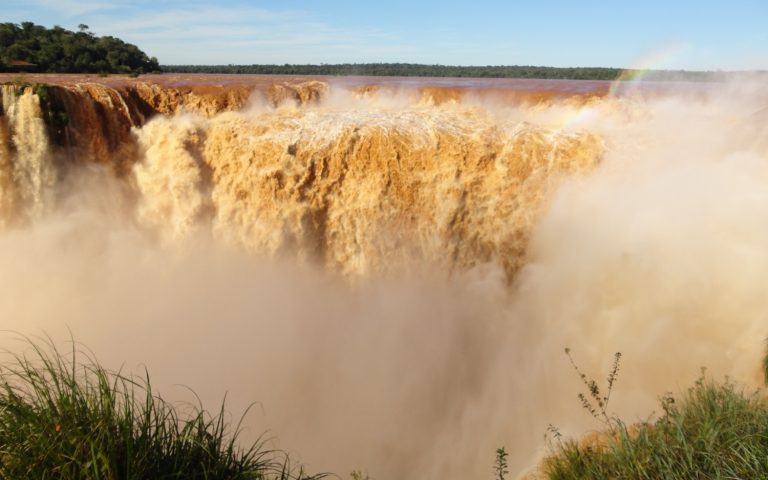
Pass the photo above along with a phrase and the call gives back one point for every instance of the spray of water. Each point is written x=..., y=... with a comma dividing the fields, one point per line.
x=447, y=253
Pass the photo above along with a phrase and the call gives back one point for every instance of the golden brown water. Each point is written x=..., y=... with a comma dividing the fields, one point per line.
x=391, y=267
x=354, y=185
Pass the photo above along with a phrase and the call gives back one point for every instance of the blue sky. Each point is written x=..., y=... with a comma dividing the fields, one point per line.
x=705, y=34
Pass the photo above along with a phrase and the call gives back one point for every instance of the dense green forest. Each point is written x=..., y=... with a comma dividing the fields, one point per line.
x=405, y=70
x=60, y=50
x=419, y=70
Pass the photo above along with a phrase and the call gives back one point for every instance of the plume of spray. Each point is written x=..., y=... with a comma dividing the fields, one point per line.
x=423, y=369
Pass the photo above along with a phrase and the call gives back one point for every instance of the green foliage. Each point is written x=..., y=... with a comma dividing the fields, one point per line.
x=714, y=430
x=420, y=70
x=63, y=416
x=59, y=50
x=405, y=70
x=54, y=111
x=500, y=467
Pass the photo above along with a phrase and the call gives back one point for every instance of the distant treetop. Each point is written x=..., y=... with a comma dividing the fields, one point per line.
x=62, y=51
x=421, y=70
x=406, y=70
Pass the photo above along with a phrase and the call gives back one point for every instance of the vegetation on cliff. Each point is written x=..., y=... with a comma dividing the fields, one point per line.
x=64, y=416
x=60, y=50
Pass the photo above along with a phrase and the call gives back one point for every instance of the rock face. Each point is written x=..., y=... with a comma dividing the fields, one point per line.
x=354, y=179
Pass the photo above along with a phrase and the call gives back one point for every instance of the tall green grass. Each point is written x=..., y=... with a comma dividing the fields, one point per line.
x=711, y=431
x=63, y=416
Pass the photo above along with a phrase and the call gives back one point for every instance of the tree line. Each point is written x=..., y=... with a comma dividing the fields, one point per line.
x=421, y=70
x=63, y=51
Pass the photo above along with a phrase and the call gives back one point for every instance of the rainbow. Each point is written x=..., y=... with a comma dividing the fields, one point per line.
x=627, y=82
x=630, y=78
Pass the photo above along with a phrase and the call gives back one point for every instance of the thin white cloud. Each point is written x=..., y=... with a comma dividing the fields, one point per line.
x=196, y=33
x=186, y=18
